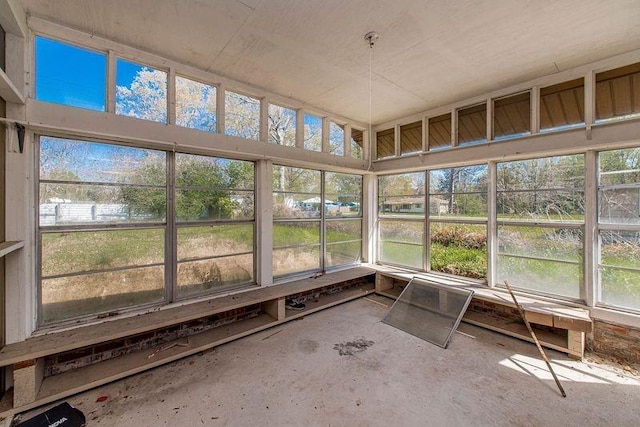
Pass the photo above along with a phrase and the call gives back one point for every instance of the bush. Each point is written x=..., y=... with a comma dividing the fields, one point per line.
x=459, y=236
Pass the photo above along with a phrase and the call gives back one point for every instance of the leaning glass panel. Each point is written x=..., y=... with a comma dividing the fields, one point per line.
x=429, y=311
x=402, y=243
x=195, y=105
x=459, y=249
x=68, y=297
x=141, y=91
x=70, y=75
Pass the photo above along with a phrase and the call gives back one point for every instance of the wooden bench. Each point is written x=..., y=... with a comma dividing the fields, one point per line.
x=575, y=321
x=32, y=389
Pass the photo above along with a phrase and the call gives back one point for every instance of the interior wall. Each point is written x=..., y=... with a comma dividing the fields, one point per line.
x=3, y=113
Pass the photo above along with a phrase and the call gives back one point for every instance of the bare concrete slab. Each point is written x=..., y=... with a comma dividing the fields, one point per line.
x=343, y=366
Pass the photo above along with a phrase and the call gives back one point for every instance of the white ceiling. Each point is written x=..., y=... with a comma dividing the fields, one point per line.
x=430, y=52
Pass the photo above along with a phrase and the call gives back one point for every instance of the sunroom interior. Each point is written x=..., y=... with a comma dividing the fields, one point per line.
x=165, y=158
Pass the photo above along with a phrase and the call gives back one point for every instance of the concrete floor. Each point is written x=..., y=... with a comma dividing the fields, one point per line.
x=292, y=375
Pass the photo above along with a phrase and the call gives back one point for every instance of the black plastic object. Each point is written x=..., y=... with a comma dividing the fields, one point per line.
x=430, y=311
x=63, y=415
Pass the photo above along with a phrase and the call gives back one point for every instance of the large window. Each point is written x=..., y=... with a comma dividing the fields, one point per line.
x=104, y=213
x=297, y=212
x=401, y=214
x=215, y=221
x=619, y=228
x=102, y=227
x=336, y=139
x=343, y=218
x=458, y=221
x=141, y=91
x=80, y=80
x=242, y=115
x=540, y=224
x=195, y=105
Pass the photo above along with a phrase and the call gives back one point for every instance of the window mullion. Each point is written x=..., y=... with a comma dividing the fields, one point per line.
x=171, y=233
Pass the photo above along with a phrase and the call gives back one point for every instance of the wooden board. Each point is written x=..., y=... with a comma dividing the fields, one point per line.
x=8, y=247
x=58, y=342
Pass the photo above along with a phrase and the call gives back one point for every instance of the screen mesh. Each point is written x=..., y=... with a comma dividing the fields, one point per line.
x=429, y=311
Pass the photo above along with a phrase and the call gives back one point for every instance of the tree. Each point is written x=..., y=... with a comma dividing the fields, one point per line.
x=146, y=98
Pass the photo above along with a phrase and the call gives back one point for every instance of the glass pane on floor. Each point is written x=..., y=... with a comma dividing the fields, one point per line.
x=429, y=311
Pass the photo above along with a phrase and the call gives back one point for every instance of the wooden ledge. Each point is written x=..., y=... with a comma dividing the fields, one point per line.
x=83, y=336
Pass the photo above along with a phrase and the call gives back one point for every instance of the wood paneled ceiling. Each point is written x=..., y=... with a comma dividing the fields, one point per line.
x=430, y=52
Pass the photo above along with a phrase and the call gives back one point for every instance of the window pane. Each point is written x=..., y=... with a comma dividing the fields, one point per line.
x=440, y=132
x=458, y=192
x=214, y=240
x=296, y=233
x=282, y=126
x=312, y=132
x=213, y=172
x=618, y=93
x=411, y=138
x=141, y=91
x=459, y=249
x=242, y=115
x=85, y=204
x=620, y=268
x=195, y=105
x=70, y=75
x=73, y=160
x=549, y=189
x=69, y=297
x=204, y=276
x=206, y=205
x=562, y=105
x=296, y=205
x=542, y=259
x=295, y=260
x=343, y=253
x=401, y=242
x=89, y=290
x=336, y=139
x=401, y=194
x=340, y=231
x=296, y=180
x=357, y=141
x=619, y=187
x=84, y=251
x=385, y=143
x=512, y=116
x=343, y=195
x=472, y=125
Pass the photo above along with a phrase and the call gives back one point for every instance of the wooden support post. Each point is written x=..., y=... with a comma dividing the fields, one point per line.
x=575, y=344
x=383, y=283
x=27, y=379
x=275, y=308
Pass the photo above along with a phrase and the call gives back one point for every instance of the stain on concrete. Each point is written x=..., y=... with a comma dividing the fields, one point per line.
x=350, y=348
x=308, y=346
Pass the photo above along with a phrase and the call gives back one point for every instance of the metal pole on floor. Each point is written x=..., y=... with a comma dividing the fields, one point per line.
x=535, y=339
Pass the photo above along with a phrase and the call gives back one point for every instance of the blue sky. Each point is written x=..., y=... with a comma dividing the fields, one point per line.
x=70, y=75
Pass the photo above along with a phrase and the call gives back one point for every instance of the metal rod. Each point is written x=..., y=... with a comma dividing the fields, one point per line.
x=535, y=339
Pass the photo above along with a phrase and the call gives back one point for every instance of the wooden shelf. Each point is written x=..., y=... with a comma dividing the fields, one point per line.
x=391, y=293
x=516, y=330
x=84, y=336
x=82, y=379
x=326, y=301
x=8, y=247
x=8, y=90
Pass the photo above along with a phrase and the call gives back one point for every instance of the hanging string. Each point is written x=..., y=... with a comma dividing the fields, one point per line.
x=370, y=104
